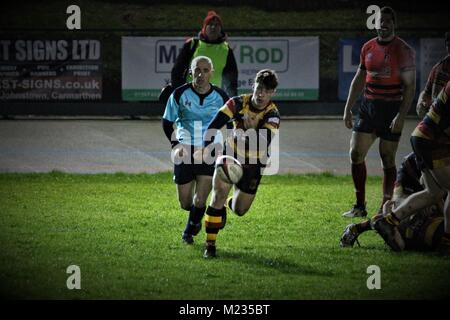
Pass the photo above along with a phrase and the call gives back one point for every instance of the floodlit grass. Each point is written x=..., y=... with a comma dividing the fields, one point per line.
x=123, y=231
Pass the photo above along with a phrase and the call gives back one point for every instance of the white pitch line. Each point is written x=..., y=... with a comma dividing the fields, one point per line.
x=161, y=163
x=305, y=163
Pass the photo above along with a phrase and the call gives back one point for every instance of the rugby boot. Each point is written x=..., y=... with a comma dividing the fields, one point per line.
x=357, y=211
x=210, y=251
x=350, y=236
x=187, y=238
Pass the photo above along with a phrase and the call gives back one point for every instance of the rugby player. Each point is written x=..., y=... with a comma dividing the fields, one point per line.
x=437, y=79
x=421, y=232
x=431, y=144
x=249, y=112
x=192, y=107
x=387, y=75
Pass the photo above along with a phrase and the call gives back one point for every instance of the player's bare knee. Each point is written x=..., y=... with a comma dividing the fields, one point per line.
x=199, y=201
x=356, y=156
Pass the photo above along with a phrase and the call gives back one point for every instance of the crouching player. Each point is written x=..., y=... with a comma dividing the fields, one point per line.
x=252, y=115
x=423, y=230
x=431, y=144
x=407, y=183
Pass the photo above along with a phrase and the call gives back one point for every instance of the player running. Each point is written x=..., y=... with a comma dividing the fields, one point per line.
x=250, y=113
x=387, y=75
x=192, y=107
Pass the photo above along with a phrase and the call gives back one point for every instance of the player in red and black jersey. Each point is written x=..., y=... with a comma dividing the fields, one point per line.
x=250, y=113
x=437, y=79
x=387, y=75
x=431, y=144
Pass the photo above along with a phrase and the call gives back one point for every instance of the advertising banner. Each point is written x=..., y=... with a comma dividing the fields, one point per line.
x=50, y=70
x=148, y=61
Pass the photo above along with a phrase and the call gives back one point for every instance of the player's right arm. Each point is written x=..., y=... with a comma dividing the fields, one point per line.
x=223, y=116
x=425, y=99
x=356, y=88
x=423, y=104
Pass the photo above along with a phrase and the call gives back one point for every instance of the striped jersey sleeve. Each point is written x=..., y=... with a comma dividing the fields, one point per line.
x=230, y=108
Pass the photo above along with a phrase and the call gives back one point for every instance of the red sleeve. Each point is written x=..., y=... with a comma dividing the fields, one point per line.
x=362, y=58
x=440, y=104
x=229, y=108
x=429, y=84
x=447, y=90
x=442, y=98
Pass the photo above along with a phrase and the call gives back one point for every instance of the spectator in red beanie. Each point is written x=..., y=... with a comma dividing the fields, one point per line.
x=210, y=42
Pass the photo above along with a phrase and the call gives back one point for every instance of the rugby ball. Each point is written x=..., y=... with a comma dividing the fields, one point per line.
x=229, y=169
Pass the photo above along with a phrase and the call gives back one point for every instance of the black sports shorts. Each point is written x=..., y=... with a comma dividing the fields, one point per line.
x=186, y=172
x=375, y=116
x=250, y=179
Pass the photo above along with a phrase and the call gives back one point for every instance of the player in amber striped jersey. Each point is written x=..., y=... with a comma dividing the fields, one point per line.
x=431, y=143
x=250, y=113
x=439, y=75
x=423, y=230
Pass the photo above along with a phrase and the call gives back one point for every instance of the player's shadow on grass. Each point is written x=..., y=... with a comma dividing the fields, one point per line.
x=279, y=264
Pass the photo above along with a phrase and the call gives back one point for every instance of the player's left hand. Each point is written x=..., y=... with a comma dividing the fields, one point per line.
x=397, y=124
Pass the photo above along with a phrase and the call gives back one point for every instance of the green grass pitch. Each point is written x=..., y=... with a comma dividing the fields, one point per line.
x=124, y=232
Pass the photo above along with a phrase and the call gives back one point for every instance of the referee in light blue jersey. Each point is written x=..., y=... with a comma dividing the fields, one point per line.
x=192, y=107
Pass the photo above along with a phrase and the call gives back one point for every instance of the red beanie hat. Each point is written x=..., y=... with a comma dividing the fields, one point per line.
x=211, y=15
